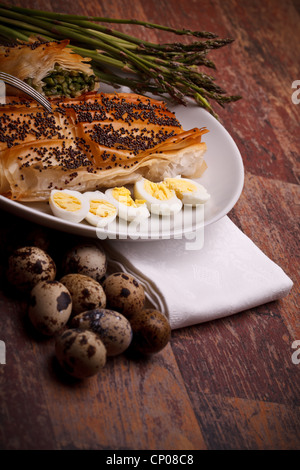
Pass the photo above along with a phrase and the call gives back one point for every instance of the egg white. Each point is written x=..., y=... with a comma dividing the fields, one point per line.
x=157, y=206
x=198, y=196
x=96, y=219
x=65, y=213
x=128, y=213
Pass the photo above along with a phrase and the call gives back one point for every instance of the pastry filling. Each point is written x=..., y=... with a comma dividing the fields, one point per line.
x=69, y=83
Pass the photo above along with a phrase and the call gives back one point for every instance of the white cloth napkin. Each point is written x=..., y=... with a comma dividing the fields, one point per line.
x=227, y=275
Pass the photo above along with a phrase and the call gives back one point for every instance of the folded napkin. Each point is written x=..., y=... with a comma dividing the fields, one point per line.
x=227, y=275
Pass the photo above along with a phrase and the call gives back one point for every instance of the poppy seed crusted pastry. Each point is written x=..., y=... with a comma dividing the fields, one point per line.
x=97, y=141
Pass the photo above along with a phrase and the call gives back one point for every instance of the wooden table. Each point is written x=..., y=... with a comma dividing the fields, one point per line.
x=225, y=384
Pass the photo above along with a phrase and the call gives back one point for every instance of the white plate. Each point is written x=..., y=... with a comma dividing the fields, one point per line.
x=223, y=179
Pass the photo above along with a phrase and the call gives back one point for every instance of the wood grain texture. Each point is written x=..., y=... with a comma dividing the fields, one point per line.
x=226, y=384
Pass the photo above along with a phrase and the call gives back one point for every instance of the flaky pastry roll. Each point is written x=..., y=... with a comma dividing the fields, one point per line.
x=49, y=67
x=100, y=141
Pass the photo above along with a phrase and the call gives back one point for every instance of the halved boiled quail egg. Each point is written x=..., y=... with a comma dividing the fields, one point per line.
x=188, y=191
x=101, y=211
x=159, y=198
x=128, y=208
x=68, y=205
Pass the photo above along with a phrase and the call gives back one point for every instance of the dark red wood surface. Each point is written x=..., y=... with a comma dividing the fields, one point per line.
x=226, y=384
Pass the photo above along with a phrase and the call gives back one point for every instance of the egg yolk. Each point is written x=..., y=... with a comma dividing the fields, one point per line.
x=180, y=186
x=67, y=202
x=102, y=208
x=158, y=190
x=123, y=195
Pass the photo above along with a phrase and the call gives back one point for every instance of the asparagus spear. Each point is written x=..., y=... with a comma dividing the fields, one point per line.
x=172, y=68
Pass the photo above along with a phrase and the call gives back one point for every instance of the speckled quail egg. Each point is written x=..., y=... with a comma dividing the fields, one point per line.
x=85, y=258
x=151, y=331
x=80, y=353
x=112, y=328
x=50, y=307
x=29, y=265
x=160, y=200
x=69, y=205
x=86, y=293
x=124, y=294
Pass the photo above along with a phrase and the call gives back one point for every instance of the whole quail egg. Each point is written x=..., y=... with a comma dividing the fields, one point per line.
x=86, y=293
x=151, y=331
x=124, y=294
x=112, y=328
x=29, y=265
x=80, y=353
x=86, y=258
x=50, y=307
